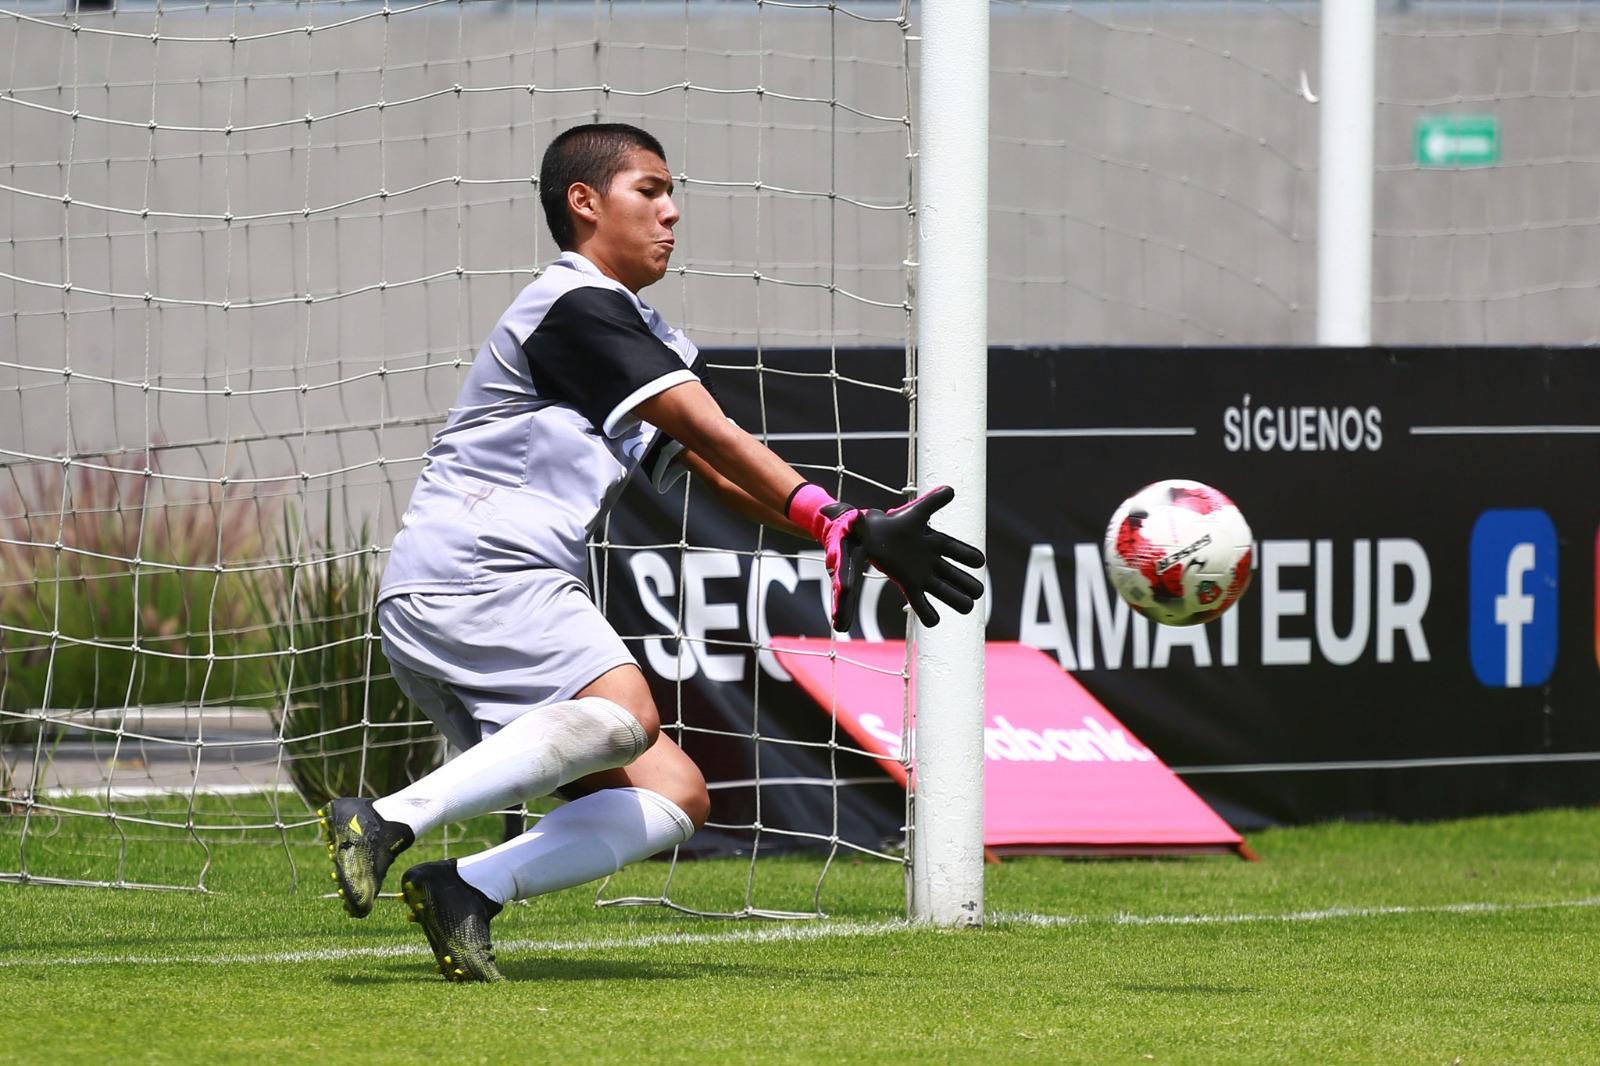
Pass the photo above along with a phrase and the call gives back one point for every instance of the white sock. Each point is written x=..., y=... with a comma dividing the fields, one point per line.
x=531, y=757
x=590, y=837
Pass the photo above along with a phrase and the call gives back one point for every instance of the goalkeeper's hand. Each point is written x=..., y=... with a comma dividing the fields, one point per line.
x=899, y=542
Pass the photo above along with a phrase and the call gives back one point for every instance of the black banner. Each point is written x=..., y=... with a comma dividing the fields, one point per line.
x=1419, y=640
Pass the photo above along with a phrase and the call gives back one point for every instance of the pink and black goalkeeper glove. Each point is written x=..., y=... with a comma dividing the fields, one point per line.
x=898, y=542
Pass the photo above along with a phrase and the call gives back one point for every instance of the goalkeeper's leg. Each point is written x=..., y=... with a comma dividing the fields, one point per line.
x=592, y=836
x=619, y=817
x=615, y=817
x=531, y=756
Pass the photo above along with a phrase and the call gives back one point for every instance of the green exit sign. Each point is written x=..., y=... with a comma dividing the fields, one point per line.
x=1457, y=140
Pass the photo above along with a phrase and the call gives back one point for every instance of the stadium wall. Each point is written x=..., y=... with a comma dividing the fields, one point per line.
x=1152, y=181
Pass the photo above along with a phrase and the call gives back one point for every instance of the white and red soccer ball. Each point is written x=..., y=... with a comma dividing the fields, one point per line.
x=1178, y=552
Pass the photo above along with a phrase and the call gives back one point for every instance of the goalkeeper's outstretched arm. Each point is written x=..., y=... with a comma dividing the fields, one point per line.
x=754, y=481
x=748, y=475
x=736, y=499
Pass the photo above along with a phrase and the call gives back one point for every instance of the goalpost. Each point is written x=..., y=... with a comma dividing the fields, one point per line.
x=951, y=399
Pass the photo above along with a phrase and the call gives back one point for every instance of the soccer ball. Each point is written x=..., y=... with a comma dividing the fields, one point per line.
x=1178, y=552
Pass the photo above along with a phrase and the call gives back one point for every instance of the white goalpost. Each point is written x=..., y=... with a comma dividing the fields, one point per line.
x=952, y=383
x=1344, y=181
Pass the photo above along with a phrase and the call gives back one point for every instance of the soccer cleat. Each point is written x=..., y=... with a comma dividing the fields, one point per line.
x=362, y=845
x=455, y=918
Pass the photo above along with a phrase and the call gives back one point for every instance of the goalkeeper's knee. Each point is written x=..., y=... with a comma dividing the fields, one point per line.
x=586, y=735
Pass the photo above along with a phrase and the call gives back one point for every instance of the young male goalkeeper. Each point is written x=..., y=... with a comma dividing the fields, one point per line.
x=485, y=618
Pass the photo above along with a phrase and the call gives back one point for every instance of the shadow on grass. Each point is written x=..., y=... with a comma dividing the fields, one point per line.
x=546, y=970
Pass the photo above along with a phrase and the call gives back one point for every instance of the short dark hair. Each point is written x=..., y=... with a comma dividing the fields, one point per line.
x=593, y=154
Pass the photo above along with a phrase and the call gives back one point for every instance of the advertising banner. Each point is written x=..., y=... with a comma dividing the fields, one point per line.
x=1061, y=774
x=1419, y=640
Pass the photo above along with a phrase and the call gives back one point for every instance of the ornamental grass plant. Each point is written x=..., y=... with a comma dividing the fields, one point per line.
x=347, y=729
x=122, y=590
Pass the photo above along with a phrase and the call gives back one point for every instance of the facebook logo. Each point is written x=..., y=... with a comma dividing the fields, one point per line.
x=1513, y=598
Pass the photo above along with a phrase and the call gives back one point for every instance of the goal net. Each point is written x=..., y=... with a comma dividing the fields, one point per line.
x=1487, y=212
x=250, y=248
x=1153, y=172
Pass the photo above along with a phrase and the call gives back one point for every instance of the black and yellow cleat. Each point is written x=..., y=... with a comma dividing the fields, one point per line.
x=361, y=845
x=455, y=916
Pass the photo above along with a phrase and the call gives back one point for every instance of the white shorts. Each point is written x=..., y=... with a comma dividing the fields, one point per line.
x=475, y=661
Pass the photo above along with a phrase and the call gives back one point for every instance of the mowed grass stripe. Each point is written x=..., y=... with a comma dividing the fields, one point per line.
x=794, y=933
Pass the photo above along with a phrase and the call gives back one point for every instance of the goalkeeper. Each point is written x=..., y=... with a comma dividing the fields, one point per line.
x=484, y=614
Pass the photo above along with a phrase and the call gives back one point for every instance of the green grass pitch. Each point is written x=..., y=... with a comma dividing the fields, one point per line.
x=1474, y=941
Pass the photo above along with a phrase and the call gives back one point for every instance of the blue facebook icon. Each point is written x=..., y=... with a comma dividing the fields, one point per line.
x=1513, y=598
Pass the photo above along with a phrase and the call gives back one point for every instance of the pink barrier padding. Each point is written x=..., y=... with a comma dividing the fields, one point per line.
x=1059, y=769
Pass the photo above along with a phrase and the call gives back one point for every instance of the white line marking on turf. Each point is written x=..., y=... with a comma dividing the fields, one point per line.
x=131, y=792
x=796, y=933
x=781, y=933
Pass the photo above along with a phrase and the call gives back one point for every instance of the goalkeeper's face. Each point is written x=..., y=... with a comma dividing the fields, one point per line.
x=633, y=230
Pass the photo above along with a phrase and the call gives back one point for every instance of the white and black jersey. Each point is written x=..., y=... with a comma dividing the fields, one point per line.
x=542, y=437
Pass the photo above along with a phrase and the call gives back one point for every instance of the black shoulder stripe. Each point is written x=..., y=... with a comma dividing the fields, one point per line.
x=592, y=350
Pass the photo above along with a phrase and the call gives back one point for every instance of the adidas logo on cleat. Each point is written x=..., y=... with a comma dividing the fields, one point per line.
x=361, y=858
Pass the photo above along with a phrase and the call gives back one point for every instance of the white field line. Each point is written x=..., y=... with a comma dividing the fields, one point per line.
x=795, y=933
x=766, y=934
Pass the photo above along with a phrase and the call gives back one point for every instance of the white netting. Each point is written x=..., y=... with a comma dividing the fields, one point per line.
x=1478, y=244
x=250, y=249
x=1154, y=167
x=1152, y=173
